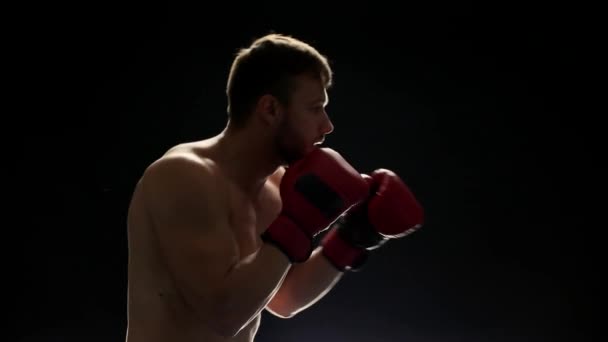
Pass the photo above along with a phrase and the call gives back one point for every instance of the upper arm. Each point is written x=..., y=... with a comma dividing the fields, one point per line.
x=190, y=218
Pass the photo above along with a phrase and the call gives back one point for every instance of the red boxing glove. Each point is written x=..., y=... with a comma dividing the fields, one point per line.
x=315, y=191
x=390, y=212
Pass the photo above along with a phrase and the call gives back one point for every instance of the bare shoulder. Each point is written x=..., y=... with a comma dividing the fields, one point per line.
x=186, y=180
x=186, y=199
x=180, y=164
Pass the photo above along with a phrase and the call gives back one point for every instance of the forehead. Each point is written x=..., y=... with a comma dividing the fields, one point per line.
x=308, y=88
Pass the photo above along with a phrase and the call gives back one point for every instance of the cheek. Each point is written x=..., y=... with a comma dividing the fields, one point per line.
x=296, y=137
x=296, y=128
x=302, y=128
x=296, y=134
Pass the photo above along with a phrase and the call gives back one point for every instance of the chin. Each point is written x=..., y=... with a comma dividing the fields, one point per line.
x=288, y=157
x=292, y=151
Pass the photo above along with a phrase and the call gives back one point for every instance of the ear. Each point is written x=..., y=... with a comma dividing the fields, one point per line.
x=269, y=110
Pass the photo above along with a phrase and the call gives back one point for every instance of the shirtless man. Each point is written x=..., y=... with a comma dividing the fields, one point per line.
x=221, y=229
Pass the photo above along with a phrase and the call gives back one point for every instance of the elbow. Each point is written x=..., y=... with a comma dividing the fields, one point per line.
x=286, y=315
x=281, y=311
x=281, y=314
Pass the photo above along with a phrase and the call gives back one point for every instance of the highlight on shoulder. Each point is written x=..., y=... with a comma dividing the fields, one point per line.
x=182, y=168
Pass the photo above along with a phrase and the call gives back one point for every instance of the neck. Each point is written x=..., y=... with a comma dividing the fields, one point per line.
x=247, y=156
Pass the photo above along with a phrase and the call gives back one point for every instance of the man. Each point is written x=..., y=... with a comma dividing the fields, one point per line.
x=221, y=229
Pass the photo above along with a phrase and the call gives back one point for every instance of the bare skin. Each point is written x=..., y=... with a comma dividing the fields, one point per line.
x=157, y=310
x=198, y=269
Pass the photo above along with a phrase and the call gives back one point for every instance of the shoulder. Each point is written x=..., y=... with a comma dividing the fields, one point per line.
x=183, y=163
x=181, y=166
x=182, y=178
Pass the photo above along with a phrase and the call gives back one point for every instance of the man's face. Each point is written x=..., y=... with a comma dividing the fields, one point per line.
x=305, y=121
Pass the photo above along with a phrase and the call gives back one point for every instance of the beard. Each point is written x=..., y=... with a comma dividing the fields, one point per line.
x=288, y=144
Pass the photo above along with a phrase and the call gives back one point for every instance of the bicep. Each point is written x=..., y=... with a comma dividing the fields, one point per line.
x=191, y=223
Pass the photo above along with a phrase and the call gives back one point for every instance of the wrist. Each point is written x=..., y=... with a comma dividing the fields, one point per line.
x=285, y=235
x=342, y=254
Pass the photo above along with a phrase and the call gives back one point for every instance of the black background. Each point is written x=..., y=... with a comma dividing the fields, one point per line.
x=483, y=110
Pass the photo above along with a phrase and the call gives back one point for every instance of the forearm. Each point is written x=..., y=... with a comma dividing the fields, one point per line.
x=305, y=284
x=249, y=286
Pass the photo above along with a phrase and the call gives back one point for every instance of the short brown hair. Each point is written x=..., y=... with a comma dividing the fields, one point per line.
x=267, y=66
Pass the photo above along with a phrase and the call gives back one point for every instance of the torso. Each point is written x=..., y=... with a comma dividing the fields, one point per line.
x=156, y=311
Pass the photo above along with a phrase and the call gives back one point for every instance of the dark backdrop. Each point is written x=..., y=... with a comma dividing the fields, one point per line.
x=482, y=111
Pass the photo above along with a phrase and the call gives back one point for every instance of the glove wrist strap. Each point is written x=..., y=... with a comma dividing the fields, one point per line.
x=342, y=255
x=289, y=238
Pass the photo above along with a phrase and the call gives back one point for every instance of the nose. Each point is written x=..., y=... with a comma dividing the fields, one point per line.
x=328, y=126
